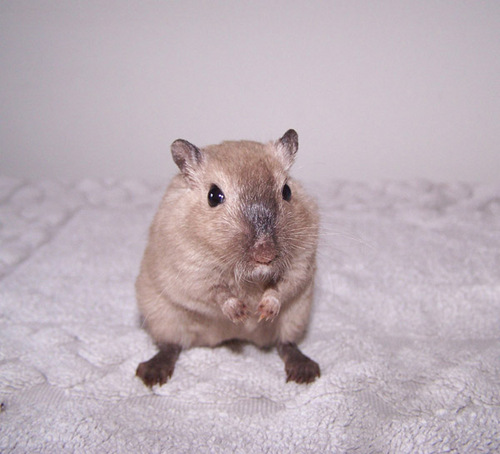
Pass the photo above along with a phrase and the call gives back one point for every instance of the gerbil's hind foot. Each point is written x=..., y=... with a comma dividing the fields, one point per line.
x=160, y=367
x=298, y=367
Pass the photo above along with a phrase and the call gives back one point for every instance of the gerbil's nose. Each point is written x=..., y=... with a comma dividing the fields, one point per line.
x=264, y=251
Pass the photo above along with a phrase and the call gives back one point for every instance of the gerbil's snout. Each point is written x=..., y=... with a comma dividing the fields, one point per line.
x=262, y=221
x=264, y=251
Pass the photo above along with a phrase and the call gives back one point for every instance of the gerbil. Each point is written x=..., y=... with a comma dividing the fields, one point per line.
x=231, y=255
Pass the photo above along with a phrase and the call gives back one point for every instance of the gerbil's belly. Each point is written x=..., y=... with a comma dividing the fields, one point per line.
x=215, y=332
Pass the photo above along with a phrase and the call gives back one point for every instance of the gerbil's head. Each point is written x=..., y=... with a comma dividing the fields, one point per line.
x=243, y=208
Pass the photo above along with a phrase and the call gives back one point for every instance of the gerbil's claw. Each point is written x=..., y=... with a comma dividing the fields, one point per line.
x=266, y=318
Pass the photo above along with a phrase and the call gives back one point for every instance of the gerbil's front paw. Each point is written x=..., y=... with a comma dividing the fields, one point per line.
x=269, y=308
x=235, y=310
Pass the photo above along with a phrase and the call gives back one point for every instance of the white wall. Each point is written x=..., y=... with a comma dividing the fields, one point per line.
x=376, y=90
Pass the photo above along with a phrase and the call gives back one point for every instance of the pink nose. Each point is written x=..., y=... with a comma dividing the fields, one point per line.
x=264, y=252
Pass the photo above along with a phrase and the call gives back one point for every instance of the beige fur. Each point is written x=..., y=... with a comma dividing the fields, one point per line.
x=199, y=284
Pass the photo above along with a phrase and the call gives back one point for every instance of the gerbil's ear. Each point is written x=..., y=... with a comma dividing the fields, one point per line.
x=187, y=157
x=287, y=146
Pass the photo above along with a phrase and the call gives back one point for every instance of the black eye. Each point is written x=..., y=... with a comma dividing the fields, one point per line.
x=215, y=196
x=287, y=193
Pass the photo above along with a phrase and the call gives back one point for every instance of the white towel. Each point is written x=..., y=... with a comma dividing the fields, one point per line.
x=405, y=327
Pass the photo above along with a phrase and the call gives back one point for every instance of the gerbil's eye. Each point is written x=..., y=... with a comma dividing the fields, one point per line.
x=287, y=193
x=215, y=196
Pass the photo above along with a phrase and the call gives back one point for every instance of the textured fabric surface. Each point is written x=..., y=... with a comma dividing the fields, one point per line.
x=405, y=327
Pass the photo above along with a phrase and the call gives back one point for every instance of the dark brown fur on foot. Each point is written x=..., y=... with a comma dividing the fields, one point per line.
x=298, y=367
x=160, y=367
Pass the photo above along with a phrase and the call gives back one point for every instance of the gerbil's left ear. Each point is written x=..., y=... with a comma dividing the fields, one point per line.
x=287, y=147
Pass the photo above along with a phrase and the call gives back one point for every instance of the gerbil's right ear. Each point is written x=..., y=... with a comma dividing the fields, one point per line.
x=187, y=157
x=287, y=146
